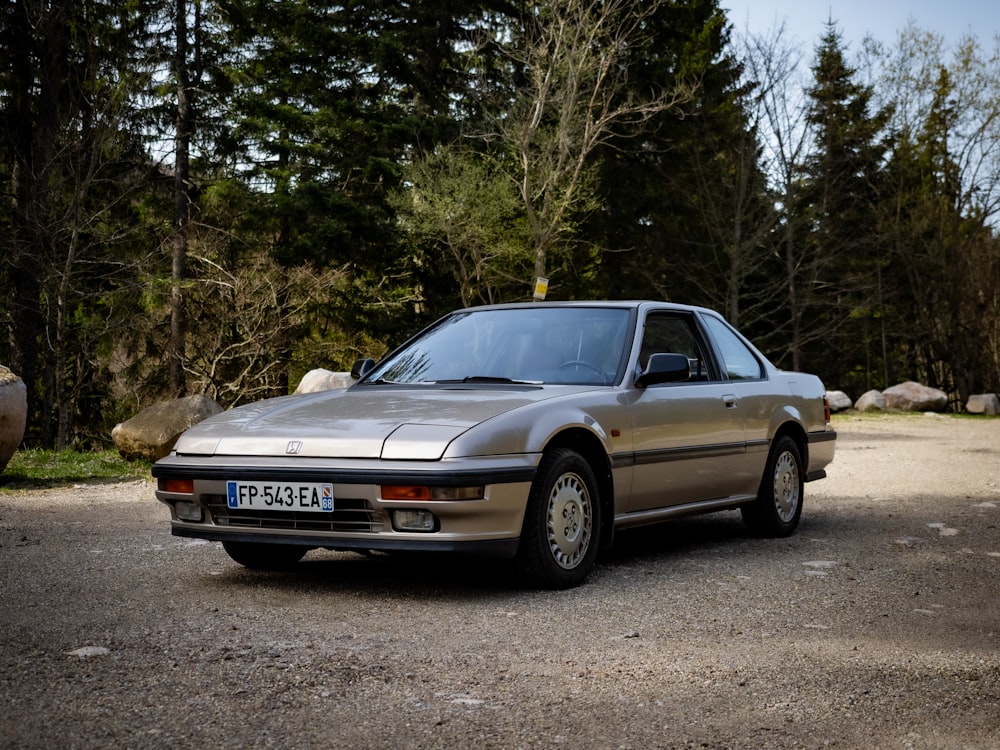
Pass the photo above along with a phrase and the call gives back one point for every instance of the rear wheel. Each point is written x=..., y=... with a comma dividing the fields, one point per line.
x=778, y=506
x=559, y=538
x=259, y=556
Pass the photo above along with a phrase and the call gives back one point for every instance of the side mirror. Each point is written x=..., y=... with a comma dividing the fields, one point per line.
x=361, y=368
x=665, y=368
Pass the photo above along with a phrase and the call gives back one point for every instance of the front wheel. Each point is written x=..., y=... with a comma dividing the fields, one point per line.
x=778, y=507
x=559, y=537
x=257, y=556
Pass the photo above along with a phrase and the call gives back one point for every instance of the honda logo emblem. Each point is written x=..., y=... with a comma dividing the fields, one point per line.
x=294, y=446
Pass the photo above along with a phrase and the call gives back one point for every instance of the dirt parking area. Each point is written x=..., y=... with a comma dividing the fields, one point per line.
x=876, y=625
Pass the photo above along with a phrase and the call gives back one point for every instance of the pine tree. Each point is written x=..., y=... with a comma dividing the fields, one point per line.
x=681, y=198
x=71, y=145
x=835, y=275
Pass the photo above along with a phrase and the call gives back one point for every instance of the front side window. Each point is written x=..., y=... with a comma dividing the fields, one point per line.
x=666, y=333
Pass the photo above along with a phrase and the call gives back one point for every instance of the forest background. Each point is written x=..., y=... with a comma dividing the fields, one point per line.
x=216, y=196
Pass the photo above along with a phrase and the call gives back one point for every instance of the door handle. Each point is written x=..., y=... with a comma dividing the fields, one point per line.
x=730, y=401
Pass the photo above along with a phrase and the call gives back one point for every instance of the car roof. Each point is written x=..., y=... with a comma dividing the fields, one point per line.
x=621, y=304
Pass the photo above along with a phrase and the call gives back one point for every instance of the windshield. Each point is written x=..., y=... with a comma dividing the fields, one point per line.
x=559, y=345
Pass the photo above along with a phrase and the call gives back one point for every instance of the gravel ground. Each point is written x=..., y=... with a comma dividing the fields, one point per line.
x=876, y=625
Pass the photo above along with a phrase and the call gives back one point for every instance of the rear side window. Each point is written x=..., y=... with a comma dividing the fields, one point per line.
x=738, y=362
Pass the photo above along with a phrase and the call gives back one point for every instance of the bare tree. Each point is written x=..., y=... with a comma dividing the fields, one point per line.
x=242, y=315
x=774, y=65
x=735, y=173
x=461, y=215
x=941, y=224
x=96, y=178
x=576, y=97
x=909, y=83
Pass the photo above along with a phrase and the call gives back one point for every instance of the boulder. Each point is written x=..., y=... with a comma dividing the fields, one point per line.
x=910, y=396
x=151, y=433
x=870, y=401
x=323, y=380
x=839, y=401
x=13, y=414
x=983, y=403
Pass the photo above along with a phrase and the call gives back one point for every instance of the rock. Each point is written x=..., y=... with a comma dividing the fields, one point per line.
x=871, y=401
x=323, y=380
x=910, y=396
x=839, y=401
x=151, y=433
x=983, y=403
x=13, y=414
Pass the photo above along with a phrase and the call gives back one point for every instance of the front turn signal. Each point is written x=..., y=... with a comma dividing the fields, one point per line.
x=181, y=486
x=422, y=493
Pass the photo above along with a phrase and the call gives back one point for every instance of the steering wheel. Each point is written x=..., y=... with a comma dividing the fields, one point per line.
x=587, y=365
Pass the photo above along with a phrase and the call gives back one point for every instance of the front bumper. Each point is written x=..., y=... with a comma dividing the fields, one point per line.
x=362, y=519
x=498, y=548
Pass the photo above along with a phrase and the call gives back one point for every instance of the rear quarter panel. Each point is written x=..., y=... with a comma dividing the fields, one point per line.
x=783, y=400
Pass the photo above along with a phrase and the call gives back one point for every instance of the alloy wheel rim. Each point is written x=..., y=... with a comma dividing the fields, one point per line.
x=570, y=521
x=786, y=487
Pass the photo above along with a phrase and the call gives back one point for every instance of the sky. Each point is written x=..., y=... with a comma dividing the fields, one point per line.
x=805, y=19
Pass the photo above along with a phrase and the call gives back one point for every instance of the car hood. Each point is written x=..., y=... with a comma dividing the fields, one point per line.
x=366, y=422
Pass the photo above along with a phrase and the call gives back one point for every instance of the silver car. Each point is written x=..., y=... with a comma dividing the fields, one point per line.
x=528, y=431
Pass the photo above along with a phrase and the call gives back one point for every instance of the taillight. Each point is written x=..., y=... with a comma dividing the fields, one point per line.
x=826, y=408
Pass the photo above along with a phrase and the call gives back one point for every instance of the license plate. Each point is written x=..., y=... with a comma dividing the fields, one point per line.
x=312, y=498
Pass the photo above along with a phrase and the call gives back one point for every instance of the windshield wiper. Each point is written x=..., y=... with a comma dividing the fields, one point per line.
x=472, y=379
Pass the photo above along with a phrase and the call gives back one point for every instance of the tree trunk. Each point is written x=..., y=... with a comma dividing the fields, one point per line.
x=182, y=146
x=35, y=107
x=795, y=313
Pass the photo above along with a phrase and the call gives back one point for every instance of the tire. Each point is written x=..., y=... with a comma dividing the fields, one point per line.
x=262, y=556
x=778, y=507
x=562, y=521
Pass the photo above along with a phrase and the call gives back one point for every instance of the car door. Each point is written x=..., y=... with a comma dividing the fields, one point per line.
x=757, y=395
x=689, y=439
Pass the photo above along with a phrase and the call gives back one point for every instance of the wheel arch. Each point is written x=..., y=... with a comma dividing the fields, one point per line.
x=797, y=433
x=590, y=447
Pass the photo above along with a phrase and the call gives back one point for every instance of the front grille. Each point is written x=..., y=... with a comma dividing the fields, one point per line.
x=349, y=515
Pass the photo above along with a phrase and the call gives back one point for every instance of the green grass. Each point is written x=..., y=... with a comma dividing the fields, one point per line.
x=874, y=416
x=31, y=469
